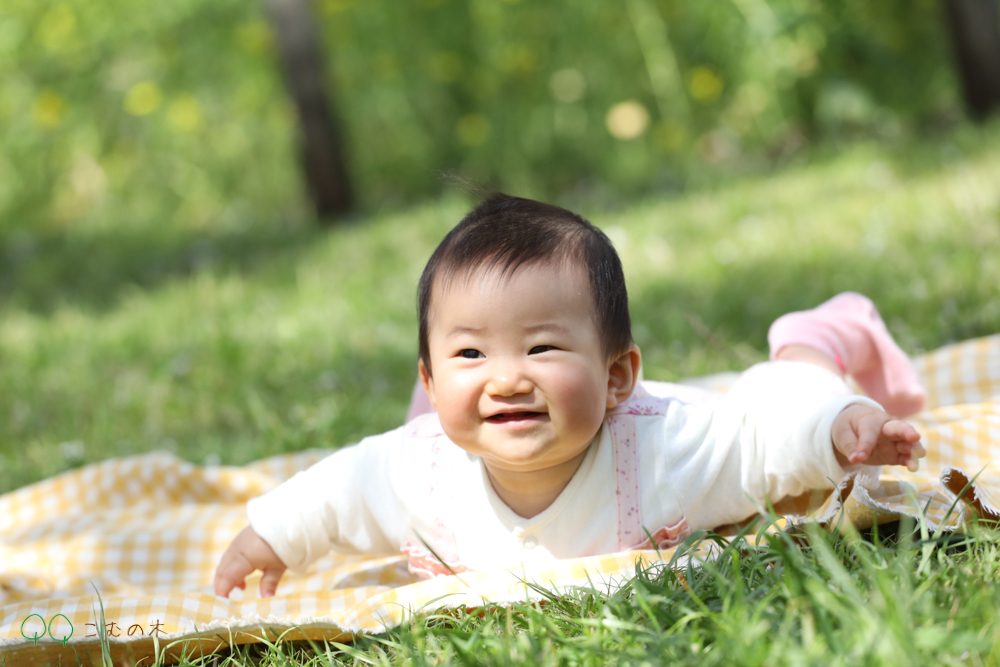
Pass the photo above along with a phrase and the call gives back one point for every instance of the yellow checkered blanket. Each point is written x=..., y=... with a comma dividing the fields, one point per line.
x=144, y=533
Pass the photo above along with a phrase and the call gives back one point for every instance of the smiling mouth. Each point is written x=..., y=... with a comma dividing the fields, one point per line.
x=506, y=417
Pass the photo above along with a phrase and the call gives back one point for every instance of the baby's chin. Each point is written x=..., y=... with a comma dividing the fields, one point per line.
x=527, y=459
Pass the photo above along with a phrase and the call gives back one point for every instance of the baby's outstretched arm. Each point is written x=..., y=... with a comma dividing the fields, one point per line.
x=862, y=434
x=246, y=553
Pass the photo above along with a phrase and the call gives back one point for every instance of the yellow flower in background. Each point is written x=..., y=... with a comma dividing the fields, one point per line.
x=802, y=58
x=752, y=97
x=568, y=85
x=48, y=110
x=254, y=36
x=473, y=129
x=56, y=27
x=445, y=66
x=385, y=66
x=143, y=98
x=627, y=120
x=669, y=135
x=331, y=7
x=518, y=59
x=184, y=113
x=704, y=85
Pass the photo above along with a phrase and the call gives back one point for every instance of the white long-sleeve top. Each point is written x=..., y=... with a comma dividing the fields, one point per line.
x=699, y=466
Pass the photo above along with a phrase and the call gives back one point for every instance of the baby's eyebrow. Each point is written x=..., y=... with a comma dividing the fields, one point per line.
x=458, y=331
x=547, y=327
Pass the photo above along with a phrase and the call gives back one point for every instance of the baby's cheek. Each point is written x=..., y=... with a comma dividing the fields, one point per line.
x=457, y=409
x=583, y=397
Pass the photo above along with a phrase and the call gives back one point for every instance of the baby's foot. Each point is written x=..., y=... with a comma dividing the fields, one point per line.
x=849, y=329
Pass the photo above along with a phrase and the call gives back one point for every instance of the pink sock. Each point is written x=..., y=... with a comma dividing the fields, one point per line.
x=848, y=329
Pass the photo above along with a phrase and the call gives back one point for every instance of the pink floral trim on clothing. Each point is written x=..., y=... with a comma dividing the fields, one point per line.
x=642, y=403
x=425, y=564
x=622, y=423
x=643, y=407
x=626, y=479
x=421, y=561
x=666, y=537
x=425, y=426
x=626, y=456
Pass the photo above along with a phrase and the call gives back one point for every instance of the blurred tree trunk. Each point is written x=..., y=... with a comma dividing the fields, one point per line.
x=321, y=148
x=975, y=35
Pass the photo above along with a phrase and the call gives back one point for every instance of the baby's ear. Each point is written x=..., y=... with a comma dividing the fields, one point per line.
x=427, y=381
x=623, y=373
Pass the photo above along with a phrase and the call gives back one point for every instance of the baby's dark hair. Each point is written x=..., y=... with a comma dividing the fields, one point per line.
x=505, y=233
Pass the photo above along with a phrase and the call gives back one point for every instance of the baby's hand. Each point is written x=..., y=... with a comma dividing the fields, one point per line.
x=248, y=552
x=867, y=435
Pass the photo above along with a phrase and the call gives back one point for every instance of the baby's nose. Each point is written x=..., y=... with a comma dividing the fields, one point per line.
x=508, y=379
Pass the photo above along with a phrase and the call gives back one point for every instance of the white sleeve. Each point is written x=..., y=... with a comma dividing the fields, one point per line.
x=348, y=503
x=769, y=439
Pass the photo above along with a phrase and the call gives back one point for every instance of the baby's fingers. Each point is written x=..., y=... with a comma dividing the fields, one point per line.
x=269, y=581
x=898, y=430
x=232, y=573
x=909, y=454
x=869, y=428
x=916, y=449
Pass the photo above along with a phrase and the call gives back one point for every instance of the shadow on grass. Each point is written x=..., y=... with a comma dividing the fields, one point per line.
x=739, y=303
x=228, y=400
x=41, y=270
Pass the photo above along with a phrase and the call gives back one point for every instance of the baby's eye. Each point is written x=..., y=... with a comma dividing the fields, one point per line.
x=471, y=354
x=538, y=349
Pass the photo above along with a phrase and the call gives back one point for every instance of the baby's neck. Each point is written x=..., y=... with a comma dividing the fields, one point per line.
x=529, y=494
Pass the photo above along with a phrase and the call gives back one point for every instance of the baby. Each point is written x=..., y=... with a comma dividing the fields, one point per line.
x=543, y=445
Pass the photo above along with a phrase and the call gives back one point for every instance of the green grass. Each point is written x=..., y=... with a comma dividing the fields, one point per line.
x=242, y=341
x=820, y=599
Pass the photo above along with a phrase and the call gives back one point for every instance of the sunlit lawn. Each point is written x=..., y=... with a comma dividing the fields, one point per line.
x=234, y=345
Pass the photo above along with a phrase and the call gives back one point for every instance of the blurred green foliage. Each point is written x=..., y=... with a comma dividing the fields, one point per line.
x=241, y=346
x=126, y=111
x=130, y=112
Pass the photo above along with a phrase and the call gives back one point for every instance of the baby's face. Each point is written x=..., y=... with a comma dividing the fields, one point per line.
x=519, y=377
